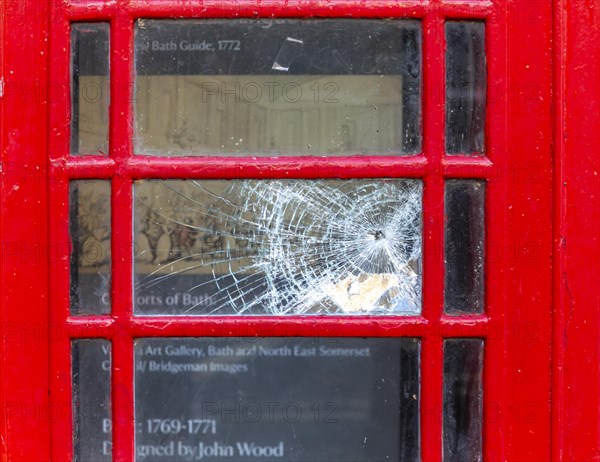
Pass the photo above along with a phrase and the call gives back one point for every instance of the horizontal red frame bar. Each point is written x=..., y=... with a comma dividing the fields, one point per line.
x=214, y=9
x=141, y=167
x=271, y=326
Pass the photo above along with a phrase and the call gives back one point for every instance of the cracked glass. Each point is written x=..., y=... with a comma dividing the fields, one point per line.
x=278, y=247
x=278, y=87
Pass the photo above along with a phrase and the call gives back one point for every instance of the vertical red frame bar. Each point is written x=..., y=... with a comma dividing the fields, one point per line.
x=496, y=239
x=58, y=188
x=528, y=309
x=576, y=366
x=121, y=150
x=433, y=232
x=25, y=409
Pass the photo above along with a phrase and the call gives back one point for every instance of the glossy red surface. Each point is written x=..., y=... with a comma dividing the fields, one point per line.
x=576, y=338
x=542, y=229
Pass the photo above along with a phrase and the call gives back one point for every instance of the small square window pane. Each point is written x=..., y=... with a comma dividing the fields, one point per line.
x=90, y=230
x=466, y=86
x=90, y=92
x=463, y=400
x=464, y=247
x=92, y=424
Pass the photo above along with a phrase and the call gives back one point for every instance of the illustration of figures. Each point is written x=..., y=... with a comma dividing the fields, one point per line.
x=94, y=229
x=214, y=240
x=163, y=246
x=147, y=238
x=184, y=239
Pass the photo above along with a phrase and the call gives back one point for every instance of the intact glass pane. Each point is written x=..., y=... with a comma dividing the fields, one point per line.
x=270, y=87
x=90, y=92
x=278, y=247
x=92, y=429
x=264, y=399
x=90, y=230
x=463, y=400
x=464, y=247
x=466, y=86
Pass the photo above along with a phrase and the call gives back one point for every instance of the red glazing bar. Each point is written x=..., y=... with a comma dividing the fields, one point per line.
x=497, y=245
x=469, y=10
x=302, y=327
x=433, y=232
x=93, y=10
x=122, y=371
x=277, y=327
x=121, y=88
x=293, y=326
x=233, y=168
x=87, y=167
x=98, y=10
x=273, y=8
x=469, y=167
x=91, y=327
x=283, y=167
x=121, y=63
x=123, y=397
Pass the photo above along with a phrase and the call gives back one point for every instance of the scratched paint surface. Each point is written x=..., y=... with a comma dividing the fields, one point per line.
x=278, y=247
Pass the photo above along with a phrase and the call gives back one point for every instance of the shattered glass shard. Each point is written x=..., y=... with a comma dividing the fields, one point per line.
x=278, y=247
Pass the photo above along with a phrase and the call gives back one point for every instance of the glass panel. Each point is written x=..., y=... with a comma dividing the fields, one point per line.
x=262, y=399
x=466, y=82
x=282, y=247
x=463, y=400
x=278, y=87
x=464, y=244
x=90, y=229
x=92, y=429
x=89, y=88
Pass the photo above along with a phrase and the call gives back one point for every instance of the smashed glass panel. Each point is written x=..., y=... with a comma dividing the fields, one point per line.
x=92, y=429
x=271, y=87
x=463, y=399
x=287, y=398
x=90, y=230
x=277, y=247
x=89, y=88
x=466, y=87
x=464, y=247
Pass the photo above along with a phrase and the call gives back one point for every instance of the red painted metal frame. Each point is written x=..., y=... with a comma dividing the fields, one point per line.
x=517, y=167
x=576, y=339
x=25, y=408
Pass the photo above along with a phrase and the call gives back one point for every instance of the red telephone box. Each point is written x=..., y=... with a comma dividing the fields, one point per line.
x=374, y=224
